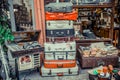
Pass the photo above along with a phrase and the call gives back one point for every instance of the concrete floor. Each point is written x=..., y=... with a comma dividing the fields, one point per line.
x=34, y=75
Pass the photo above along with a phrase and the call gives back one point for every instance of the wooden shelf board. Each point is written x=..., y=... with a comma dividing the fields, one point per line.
x=93, y=6
x=95, y=40
x=15, y=32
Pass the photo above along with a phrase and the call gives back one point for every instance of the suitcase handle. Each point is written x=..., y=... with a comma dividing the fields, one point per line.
x=60, y=48
x=59, y=34
x=60, y=58
x=60, y=65
x=63, y=8
x=60, y=26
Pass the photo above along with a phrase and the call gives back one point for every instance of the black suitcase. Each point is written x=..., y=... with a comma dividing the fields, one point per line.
x=59, y=7
x=60, y=33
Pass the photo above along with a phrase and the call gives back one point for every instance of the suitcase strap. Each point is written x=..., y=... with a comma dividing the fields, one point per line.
x=69, y=71
x=50, y=72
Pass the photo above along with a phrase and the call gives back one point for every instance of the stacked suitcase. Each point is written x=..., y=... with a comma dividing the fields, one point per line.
x=60, y=47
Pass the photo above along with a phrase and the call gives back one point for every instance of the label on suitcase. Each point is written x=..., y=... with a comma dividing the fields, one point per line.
x=60, y=33
x=59, y=7
x=60, y=24
x=59, y=71
x=61, y=16
x=60, y=39
x=59, y=63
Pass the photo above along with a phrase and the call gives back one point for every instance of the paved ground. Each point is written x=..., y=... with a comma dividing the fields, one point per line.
x=34, y=75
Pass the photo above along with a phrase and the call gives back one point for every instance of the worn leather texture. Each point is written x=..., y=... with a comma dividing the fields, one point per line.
x=60, y=39
x=59, y=63
x=91, y=62
x=61, y=16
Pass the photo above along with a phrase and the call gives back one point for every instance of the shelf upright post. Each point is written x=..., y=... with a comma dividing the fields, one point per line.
x=12, y=18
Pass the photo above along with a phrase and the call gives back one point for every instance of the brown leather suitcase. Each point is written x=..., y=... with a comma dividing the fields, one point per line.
x=91, y=62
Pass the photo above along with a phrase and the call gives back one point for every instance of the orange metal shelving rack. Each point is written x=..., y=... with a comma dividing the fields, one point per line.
x=40, y=19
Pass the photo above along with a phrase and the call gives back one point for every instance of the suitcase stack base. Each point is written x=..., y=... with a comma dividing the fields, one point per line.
x=59, y=71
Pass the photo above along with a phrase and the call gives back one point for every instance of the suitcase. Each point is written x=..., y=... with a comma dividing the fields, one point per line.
x=59, y=63
x=60, y=33
x=60, y=24
x=61, y=55
x=52, y=47
x=59, y=7
x=60, y=39
x=60, y=51
x=59, y=71
x=61, y=16
x=92, y=61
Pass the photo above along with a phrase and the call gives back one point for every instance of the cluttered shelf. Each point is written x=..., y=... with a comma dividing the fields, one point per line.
x=86, y=13
x=93, y=6
x=22, y=36
x=94, y=40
